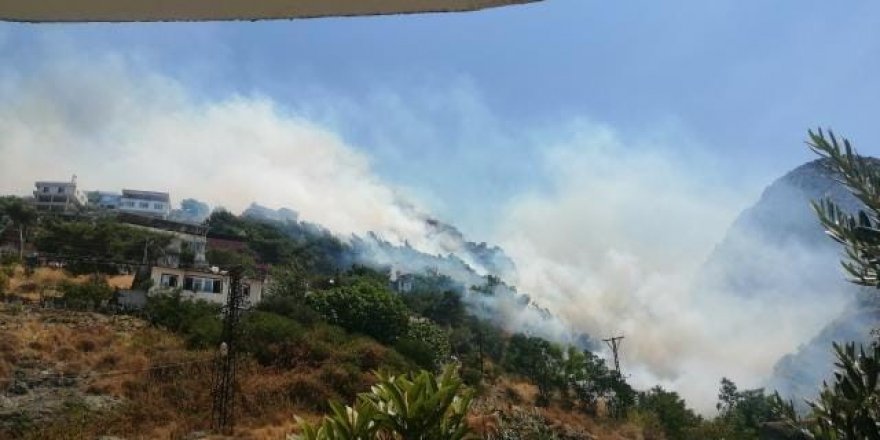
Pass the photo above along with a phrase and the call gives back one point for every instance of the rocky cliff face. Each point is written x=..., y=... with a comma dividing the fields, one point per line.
x=777, y=251
x=778, y=247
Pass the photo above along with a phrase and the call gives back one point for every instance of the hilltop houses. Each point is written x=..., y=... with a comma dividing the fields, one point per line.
x=151, y=203
x=58, y=196
x=211, y=285
x=183, y=264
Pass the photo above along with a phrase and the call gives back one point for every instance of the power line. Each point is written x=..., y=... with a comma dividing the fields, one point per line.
x=224, y=383
x=614, y=344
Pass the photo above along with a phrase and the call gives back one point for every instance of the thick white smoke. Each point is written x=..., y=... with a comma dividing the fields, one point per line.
x=614, y=246
x=117, y=128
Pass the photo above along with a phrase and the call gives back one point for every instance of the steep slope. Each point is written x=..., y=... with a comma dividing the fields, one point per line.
x=776, y=253
x=478, y=270
x=777, y=247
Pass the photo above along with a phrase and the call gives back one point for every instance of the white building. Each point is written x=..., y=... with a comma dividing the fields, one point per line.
x=58, y=196
x=188, y=244
x=150, y=203
x=211, y=286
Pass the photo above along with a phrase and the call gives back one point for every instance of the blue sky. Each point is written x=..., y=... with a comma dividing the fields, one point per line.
x=448, y=105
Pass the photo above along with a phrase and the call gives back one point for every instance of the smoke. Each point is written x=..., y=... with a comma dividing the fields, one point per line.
x=116, y=127
x=611, y=243
x=616, y=245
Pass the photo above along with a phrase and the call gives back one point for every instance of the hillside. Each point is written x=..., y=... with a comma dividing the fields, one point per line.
x=95, y=374
x=777, y=252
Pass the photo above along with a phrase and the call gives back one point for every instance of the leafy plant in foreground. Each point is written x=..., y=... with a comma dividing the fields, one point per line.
x=417, y=406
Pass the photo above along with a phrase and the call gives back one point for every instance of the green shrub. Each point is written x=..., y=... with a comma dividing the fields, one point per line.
x=169, y=309
x=364, y=307
x=670, y=410
x=291, y=307
x=205, y=332
x=266, y=335
x=415, y=406
x=432, y=337
x=418, y=351
x=849, y=407
x=87, y=295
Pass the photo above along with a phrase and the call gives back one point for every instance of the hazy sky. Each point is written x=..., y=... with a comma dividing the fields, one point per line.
x=440, y=104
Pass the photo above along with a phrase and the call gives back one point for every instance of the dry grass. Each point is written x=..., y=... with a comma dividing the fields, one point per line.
x=113, y=356
x=46, y=280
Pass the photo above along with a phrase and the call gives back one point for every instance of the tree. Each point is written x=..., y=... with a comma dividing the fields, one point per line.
x=849, y=408
x=742, y=413
x=859, y=233
x=22, y=216
x=289, y=281
x=227, y=258
x=538, y=360
x=427, y=341
x=364, y=306
x=671, y=410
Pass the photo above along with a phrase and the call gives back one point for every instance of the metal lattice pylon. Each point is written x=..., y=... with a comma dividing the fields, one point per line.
x=224, y=381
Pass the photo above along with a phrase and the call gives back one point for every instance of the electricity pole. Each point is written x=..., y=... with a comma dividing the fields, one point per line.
x=224, y=382
x=614, y=344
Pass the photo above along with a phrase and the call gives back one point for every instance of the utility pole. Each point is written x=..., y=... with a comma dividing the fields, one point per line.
x=614, y=344
x=224, y=382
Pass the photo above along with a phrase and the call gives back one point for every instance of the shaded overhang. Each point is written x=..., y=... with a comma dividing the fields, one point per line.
x=210, y=10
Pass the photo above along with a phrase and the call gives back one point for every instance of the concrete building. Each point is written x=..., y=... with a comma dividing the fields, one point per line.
x=156, y=204
x=58, y=196
x=208, y=285
x=188, y=243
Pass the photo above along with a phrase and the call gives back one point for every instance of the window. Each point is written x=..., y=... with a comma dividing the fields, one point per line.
x=168, y=280
x=199, y=284
x=158, y=206
x=144, y=205
x=60, y=190
x=45, y=189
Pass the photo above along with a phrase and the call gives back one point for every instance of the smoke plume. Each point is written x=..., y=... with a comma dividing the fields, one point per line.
x=611, y=243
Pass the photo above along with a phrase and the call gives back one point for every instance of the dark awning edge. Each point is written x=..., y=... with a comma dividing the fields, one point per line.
x=66, y=11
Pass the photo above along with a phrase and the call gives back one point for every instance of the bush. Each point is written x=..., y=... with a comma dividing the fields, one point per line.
x=364, y=307
x=417, y=351
x=415, y=406
x=205, y=332
x=291, y=307
x=849, y=407
x=87, y=295
x=266, y=335
x=176, y=313
x=434, y=338
x=671, y=411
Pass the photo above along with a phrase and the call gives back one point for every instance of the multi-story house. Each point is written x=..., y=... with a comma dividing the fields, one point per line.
x=207, y=284
x=150, y=203
x=58, y=196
